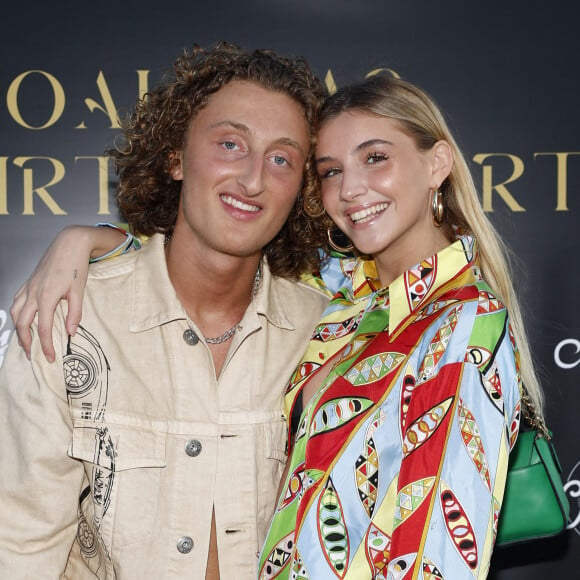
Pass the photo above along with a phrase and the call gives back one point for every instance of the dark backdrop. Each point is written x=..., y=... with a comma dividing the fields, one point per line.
x=506, y=72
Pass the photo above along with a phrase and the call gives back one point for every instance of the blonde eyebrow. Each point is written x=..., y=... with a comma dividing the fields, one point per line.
x=245, y=129
x=371, y=143
x=239, y=126
x=290, y=143
x=358, y=148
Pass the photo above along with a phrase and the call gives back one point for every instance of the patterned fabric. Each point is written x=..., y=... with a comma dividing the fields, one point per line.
x=129, y=244
x=399, y=461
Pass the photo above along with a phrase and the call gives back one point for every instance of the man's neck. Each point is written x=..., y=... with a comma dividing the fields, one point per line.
x=215, y=289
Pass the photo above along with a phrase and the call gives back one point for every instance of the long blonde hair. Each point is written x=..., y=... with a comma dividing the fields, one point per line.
x=423, y=121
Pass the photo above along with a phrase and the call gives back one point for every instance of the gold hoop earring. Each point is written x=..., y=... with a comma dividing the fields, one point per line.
x=437, y=208
x=337, y=247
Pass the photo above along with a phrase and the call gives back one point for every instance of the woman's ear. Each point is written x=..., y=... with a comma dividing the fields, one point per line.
x=442, y=162
x=176, y=165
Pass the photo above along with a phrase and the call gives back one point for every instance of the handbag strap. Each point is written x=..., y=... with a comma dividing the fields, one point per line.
x=532, y=418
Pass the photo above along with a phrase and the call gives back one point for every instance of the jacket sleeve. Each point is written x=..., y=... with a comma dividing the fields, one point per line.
x=39, y=482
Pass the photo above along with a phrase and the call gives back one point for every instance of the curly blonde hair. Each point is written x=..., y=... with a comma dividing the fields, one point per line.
x=148, y=197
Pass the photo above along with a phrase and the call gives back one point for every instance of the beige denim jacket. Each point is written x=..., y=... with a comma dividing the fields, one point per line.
x=113, y=457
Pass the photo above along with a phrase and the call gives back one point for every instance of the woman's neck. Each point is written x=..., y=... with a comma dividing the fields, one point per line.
x=396, y=260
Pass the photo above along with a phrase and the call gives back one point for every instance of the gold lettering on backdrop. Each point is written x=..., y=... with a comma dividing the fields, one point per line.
x=3, y=186
x=103, y=183
x=491, y=163
x=330, y=83
x=12, y=99
x=108, y=106
x=377, y=71
x=41, y=191
x=143, y=82
x=488, y=186
x=561, y=177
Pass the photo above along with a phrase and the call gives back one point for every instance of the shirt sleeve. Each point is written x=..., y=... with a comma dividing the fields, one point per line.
x=130, y=243
x=39, y=482
x=455, y=451
x=333, y=275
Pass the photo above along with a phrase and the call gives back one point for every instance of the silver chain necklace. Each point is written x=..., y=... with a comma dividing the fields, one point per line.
x=225, y=336
x=191, y=336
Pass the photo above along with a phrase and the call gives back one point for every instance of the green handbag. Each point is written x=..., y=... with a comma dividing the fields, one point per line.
x=535, y=504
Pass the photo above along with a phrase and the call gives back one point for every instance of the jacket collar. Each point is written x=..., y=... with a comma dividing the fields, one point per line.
x=154, y=301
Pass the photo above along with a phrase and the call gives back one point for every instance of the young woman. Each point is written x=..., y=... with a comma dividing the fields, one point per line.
x=406, y=403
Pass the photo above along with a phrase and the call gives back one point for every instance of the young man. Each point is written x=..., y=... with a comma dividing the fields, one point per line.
x=153, y=445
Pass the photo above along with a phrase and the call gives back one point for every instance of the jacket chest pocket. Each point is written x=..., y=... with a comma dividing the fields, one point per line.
x=124, y=467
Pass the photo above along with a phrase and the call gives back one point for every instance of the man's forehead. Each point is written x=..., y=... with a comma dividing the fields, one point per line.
x=237, y=90
x=243, y=102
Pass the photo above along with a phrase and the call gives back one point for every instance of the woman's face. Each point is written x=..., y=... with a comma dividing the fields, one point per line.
x=376, y=187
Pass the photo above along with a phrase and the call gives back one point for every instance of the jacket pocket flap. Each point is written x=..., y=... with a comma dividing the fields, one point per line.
x=117, y=447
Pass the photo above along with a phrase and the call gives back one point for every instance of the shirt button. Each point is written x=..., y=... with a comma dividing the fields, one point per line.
x=185, y=544
x=193, y=448
x=190, y=337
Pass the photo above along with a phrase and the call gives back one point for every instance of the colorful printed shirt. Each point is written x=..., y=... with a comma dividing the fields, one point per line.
x=399, y=461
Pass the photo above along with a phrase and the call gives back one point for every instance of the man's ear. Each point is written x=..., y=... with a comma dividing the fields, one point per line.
x=176, y=165
x=442, y=162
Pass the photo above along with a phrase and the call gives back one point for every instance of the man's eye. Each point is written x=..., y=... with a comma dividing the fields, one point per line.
x=229, y=145
x=279, y=160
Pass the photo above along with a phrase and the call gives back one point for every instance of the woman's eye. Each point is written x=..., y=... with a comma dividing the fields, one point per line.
x=279, y=160
x=375, y=157
x=326, y=173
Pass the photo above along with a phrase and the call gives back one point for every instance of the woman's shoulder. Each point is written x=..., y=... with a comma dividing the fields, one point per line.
x=334, y=274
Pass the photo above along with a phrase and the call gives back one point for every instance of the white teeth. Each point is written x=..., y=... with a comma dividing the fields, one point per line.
x=239, y=204
x=368, y=212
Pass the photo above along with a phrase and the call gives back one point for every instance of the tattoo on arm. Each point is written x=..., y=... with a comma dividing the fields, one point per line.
x=75, y=274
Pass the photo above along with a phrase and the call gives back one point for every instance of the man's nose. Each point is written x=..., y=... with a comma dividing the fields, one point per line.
x=251, y=177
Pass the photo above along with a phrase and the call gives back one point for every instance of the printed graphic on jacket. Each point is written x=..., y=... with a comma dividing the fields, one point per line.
x=86, y=374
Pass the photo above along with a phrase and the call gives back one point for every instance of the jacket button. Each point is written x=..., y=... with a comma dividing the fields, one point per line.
x=193, y=448
x=185, y=544
x=190, y=337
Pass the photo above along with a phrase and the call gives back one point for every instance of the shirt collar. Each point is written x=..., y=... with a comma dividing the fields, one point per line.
x=271, y=301
x=152, y=286
x=454, y=266
x=154, y=300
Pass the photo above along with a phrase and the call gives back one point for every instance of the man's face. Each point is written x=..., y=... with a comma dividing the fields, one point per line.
x=241, y=166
